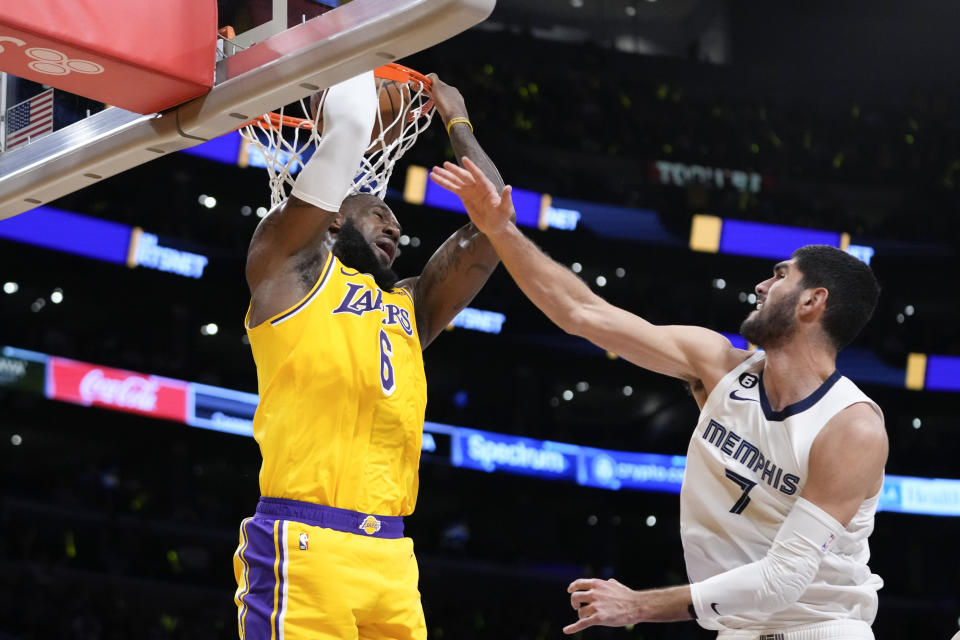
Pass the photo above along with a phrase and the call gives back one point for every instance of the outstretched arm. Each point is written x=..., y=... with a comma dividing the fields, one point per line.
x=291, y=235
x=692, y=353
x=464, y=262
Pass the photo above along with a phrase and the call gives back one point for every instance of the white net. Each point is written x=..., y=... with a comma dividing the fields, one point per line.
x=282, y=144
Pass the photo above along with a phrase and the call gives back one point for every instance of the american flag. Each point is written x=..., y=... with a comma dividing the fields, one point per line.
x=29, y=119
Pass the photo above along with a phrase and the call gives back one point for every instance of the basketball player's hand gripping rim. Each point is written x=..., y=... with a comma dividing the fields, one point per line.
x=605, y=603
x=490, y=211
x=447, y=98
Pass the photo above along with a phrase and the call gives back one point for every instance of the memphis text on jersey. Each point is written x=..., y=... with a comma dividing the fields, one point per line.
x=750, y=456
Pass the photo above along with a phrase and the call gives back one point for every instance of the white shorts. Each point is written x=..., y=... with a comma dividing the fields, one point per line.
x=833, y=630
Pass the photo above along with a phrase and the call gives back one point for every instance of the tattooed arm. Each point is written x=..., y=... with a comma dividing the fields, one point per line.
x=462, y=264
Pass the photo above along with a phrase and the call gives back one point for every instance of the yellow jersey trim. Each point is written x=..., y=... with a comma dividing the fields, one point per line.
x=302, y=304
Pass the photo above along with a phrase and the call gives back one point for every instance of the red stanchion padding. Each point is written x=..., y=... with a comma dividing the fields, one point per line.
x=140, y=55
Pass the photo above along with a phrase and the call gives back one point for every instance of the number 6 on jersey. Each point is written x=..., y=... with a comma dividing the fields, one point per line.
x=387, y=381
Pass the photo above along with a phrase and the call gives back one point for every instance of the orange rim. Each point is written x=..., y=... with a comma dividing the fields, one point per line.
x=400, y=73
x=389, y=71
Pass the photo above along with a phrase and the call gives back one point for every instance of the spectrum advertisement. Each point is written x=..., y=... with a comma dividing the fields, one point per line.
x=487, y=451
x=232, y=411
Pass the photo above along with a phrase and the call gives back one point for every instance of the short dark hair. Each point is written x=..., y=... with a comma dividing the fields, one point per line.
x=853, y=289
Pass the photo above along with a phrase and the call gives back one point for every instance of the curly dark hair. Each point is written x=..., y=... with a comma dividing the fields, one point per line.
x=853, y=289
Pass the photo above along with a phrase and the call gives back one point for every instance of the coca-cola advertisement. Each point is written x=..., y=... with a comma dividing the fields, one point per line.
x=92, y=385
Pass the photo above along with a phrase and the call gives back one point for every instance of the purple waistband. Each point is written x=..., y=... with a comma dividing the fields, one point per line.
x=319, y=515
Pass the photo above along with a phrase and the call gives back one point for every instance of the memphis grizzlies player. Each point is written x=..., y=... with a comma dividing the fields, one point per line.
x=337, y=341
x=785, y=466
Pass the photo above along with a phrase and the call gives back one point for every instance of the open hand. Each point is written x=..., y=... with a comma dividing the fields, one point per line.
x=601, y=602
x=490, y=211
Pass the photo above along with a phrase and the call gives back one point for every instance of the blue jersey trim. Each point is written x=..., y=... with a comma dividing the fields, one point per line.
x=796, y=407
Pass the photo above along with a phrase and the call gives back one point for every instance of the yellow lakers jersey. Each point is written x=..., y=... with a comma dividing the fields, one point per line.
x=342, y=396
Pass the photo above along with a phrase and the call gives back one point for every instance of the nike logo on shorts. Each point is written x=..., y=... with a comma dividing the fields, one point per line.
x=713, y=605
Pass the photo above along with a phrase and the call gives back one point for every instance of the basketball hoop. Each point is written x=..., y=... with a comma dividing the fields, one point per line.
x=282, y=140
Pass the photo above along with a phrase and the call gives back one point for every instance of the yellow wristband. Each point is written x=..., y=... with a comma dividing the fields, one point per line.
x=454, y=121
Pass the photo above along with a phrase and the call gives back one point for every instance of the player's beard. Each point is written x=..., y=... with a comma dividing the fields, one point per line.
x=772, y=325
x=354, y=251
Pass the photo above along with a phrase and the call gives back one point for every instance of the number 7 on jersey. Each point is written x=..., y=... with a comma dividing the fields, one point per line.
x=744, y=483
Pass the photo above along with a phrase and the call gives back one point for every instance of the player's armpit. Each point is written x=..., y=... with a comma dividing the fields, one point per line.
x=694, y=354
x=846, y=461
x=282, y=234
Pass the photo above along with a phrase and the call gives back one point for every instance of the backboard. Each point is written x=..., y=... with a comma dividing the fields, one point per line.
x=284, y=51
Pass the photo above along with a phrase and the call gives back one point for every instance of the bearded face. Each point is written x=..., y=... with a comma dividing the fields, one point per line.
x=774, y=322
x=354, y=250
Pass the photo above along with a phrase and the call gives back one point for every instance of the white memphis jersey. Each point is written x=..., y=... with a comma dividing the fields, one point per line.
x=746, y=467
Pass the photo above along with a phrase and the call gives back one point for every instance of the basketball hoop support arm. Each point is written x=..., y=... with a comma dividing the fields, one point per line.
x=283, y=68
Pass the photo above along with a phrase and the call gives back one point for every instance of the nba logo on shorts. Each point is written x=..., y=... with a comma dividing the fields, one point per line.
x=370, y=525
x=304, y=541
